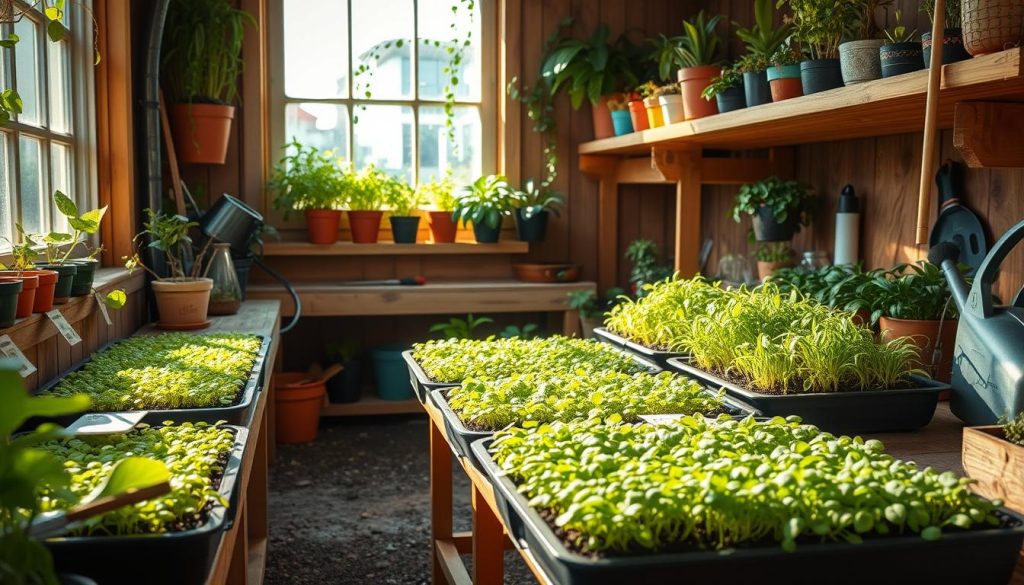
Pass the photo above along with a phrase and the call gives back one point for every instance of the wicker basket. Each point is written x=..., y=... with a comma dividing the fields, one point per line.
x=992, y=25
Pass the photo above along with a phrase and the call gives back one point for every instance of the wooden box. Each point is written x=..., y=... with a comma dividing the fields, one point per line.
x=996, y=464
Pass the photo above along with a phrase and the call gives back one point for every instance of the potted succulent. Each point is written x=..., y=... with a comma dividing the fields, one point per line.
x=201, y=62
x=532, y=207
x=622, y=121
x=671, y=101
x=952, y=36
x=784, y=74
x=991, y=26
x=365, y=198
x=60, y=246
x=652, y=108
x=699, y=55
x=309, y=180
x=440, y=195
x=858, y=58
x=592, y=309
x=484, y=203
x=762, y=40
x=772, y=256
x=901, y=54
x=404, y=202
x=24, y=254
x=727, y=90
x=820, y=26
x=778, y=208
x=183, y=296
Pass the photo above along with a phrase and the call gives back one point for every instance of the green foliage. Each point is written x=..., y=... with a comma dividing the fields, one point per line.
x=762, y=39
x=667, y=54
x=751, y=63
x=590, y=307
x=589, y=69
x=167, y=371
x=729, y=78
x=643, y=254
x=440, y=193
x=24, y=253
x=484, y=201
x=307, y=179
x=535, y=198
x=899, y=33
x=82, y=226
x=786, y=55
x=660, y=317
x=622, y=489
x=837, y=286
x=456, y=328
x=916, y=291
x=866, y=27
x=668, y=89
x=168, y=234
x=821, y=25
x=774, y=252
x=1014, y=430
x=953, y=17
x=699, y=43
x=528, y=331
x=785, y=198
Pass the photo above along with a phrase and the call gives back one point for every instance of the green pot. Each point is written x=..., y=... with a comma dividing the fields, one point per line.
x=404, y=228
x=82, y=284
x=65, y=279
x=391, y=373
x=533, y=229
x=486, y=234
x=10, y=288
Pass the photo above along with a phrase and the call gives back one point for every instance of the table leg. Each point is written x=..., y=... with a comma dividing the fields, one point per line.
x=488, y=544
x=440, y=498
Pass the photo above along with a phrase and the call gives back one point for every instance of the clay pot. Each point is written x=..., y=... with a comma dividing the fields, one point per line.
x=991, y=26
x=322, y=225
x=638, y=115
x=654, y=117
x=859, y=61
x=672, y=108
x=602, y=117
x=365, y=226
x=29, y=287
x=693, y=81
x=201, y=132
x=924, y=335
x=183, y=303
x=547, y=272
x=47, y=285
x=297, y=403
x=766, y=269
x=443, y=228
x=785, y=82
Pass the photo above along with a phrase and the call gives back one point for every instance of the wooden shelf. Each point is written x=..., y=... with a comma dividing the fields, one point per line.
x=885, y=106
x=392, y=249
x=369, y=404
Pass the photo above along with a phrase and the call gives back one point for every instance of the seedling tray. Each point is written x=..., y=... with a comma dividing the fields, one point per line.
x=171, y=558
x=980, y=557
x=855, y=412
x=659, y=358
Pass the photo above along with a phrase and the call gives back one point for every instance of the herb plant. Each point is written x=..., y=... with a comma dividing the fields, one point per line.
x=774, y=252
x=784, y=198
x=907, y=291
x=659, y=319
x=24, y=254
x=439, y=193
x=456, y=328
x=170, y=235
x=535, y=198
x=82, y=226
x=306, y=179
x=729, y=78
x=821, y=25
x=484, y=202
x=400, y=198
x=786, y=55
x=371, y=189
x=837, y=286
x=1014, y=430
x=762, y=39
x=646, y=270
x=668, y=89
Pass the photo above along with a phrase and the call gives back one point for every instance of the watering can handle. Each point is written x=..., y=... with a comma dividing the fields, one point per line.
x=980, y=300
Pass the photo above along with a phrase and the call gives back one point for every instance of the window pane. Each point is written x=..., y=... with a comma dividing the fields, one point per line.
x=27, y=70
x=31, y=179
x=60, y=97
x=383, y=137
x=439, y=32
x=324, y=126
x=6, y=205
x=437, y=153
x=60, y=160
x=381, y=37
x=316, y=48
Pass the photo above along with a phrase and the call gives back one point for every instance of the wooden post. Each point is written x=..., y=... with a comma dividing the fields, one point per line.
x=605, y=170
x=488, y=543
x=684, y=167
x=440, y=498
x=931, y=114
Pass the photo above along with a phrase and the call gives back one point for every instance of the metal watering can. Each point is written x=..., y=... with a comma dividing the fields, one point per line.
x=988, y=358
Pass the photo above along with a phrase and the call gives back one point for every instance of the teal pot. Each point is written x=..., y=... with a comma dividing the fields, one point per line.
x=731, y=99
x=533, y=229
x=818, y=75
x=953, y=49
x=82, y=284
x=65, y=280
x=756, y=89
x=782, y=72
x=486, y=234
x=622, y=122
x=404, y=228
x=346, y=387
x=859, y=61
x=10, y=288
x=900, y=58
x=766, y=229
x=391, y=373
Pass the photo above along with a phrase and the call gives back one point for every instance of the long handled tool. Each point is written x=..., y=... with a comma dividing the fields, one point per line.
x=931, y=113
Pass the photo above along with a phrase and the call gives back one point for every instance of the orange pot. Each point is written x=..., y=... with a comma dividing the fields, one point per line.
x=786, y=88
x=29, y=287
x=766, y=269
x=638, y=113
x=47, y=286
x=183, y=303
x=443, y=228
x=365, y=226
x=602, y=118
x=924, y=335
x=322, y=225
x=693, y=81
x=297, y=403
x=201, y=132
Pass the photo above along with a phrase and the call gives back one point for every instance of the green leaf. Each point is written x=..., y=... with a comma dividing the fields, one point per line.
x=65, y=205
x=131, y=474
x=116, y=299
x=94, y=216
x=55, y=30
x=83, y=225
x=19, y=406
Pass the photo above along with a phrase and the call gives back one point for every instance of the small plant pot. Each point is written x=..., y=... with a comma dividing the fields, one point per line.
x=183, y=303
x=638, y=115
x=65, y=279
x=404, y=228
x=900, y=58
x=766, y=229
x=731, y=99
x=346, y=387
x=602, y=118
x=924, y=335
x=991, y=26
x=785, y=82
x=533, y=229
x=672, y=108
x=766, y=269
x=443, y=228
x=44, y=292
x=953, y=49
x=693, y=81
x=654, y=117
x=10, y=290
x=622, y=122
x=859, y=61
x=365, y=226
x=297, y=403
x=27, y=296
x=322, y=225
x=201, y=132
x=818, y=75
x=756, y=89
x=84, y=277
x=391, y=373
x=486, y=234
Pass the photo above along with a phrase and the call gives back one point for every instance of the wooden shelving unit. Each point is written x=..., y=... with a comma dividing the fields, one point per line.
x=370, y=404
x=392, y=249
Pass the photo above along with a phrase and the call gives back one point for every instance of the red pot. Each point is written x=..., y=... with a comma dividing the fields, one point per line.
x=602, y=118
x=365, y=226
x=638, y=113
x=29, y=286
x=443, y=228
x=323, y=225
x=924, y=334
x=693, y=81
x=297, y=403
x=47, y=286
x=786, y=88
x=201, y=132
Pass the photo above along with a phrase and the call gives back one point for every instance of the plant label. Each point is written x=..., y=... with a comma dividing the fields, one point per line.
x=103, y=309
x=9, y=350
x=64, y=327
x=107, y=423
x=660, y=419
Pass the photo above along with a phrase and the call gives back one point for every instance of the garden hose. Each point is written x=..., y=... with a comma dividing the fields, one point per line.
x=291, y=290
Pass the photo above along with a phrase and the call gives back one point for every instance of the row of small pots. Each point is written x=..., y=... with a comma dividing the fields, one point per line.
x=23, y=292
x=323, y=227
x=862, y=61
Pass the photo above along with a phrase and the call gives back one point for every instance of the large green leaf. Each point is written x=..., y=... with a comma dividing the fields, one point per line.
x=132, y=473
x=65, y=205
x=19, y=405
x=116, y=299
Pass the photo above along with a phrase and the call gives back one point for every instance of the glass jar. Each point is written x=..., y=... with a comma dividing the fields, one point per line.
x=226, y=297
x=815, y=259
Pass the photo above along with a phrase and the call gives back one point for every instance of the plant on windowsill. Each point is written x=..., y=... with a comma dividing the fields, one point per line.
x=404, y=202
x=27, y=290
x=532, y=206
x=439, y=194
x=778, y=208
x=727, y=90
x=200, y=64
x=484, y=203
x=762, y=40
x=366, y=196
x=310, y=181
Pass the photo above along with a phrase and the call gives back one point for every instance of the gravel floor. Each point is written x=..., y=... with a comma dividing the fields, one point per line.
x=353, y=507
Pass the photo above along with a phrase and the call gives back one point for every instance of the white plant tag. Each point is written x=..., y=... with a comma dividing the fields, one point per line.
x=103, y=309
x=64, y=327
x=660, y=419
x=106, y=423
x=9, y=350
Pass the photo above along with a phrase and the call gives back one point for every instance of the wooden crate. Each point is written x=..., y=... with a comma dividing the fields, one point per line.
x=996, y=464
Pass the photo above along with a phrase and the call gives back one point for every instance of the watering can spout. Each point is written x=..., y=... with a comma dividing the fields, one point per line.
x=944, y=255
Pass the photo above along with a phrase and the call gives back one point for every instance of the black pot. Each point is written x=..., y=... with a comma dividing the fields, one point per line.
x=84, y=277
x=72, y=579
x=952, y=47
x=756, y=88
x=766, y=229
x=900, y=58
x=346, y=387
x=533, y=229
x=731, y=99
x=820, y=75
x=242, y=266
x=486, y=234
x=404, y=228
x=65, y=279
x=231, y=221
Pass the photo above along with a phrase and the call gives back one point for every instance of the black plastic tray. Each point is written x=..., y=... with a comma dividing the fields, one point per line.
x=978, y=557
x=659, y=358
x=173, y=558
x=874, y=411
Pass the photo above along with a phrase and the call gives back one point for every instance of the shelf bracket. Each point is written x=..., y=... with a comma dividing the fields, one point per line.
x=987, y=134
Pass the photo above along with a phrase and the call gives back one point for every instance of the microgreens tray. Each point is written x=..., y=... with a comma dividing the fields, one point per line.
x=658, y=357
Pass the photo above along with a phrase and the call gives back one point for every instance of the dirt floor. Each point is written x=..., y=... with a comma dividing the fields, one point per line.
x=353, y=507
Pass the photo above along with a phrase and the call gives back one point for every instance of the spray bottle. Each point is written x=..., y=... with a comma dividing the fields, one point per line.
x=847, y=227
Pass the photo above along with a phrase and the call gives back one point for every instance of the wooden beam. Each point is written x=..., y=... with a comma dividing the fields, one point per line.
x=988, y=134
x=605, y=169
x=488, y=543
x=687, y=248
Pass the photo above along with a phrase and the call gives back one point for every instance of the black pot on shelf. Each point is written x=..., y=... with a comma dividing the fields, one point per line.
x=84, y=277
x=243, y=264
x=819, y=75
x=731, y=99
x=347, y=386
x=404, y=228
x=533, y=229
x=900, y=58
x=486, y=234
x=952, y=47
x=756, y=88
x=766, y=229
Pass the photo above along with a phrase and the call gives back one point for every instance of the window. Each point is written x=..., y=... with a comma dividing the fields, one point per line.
x=48, y=146
x=393, y=115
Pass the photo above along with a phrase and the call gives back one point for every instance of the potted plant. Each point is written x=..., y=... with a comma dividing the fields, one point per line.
x=61, y=246
x=762, y=40
x=200, y=65
x=993, y=457
x=820, y=26
x=778, y=208
x=533, y=205
x=901, y=54
x=772, y=256
x=10, y=290
x=858, y=58
x=440, y=195
x=404, y=202
x=727, y=90
x=652, y=109
x=638, y=112
x=24, y=254
x=952, y=36
x=643, y=254
x=784, y=74
x=698, y=53
x=592, y=309
x=622, y=121
x=484, y=203
x=365, y=198
x=671, y=101
x=309, y=180
x=183, y=296
x=991, y=26
x=346, y=387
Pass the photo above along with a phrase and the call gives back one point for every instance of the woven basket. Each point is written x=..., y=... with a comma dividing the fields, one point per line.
x=992, y=25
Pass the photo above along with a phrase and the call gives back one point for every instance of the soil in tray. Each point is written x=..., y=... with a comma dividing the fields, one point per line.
x=796, y=387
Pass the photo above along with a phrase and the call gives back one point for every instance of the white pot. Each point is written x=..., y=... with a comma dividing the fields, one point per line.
x=860, y=61
x=672, y=108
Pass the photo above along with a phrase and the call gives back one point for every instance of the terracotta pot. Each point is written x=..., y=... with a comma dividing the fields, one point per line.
x=654, y=117
x=785, y=82
x=322, y=225
x=766, y=269
x=638, y=114
x=443, y=228
x=924, y=334
x=10, y=289
x=547, y=272
x=602, y=118
x=365, y=226
x=65, y=279
x=47, y=286
x=672, y=108
x=201, y=132
x=27, y=296
x=297, y=403
x=992, y=25
x=183, y=302
x=693, y=81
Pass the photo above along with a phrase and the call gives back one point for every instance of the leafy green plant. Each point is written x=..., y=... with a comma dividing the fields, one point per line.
x=528, y=331
x=916, y=291
x=1014, y=430
x=668, y=89
x=590, y=306
x=774, y=252
x=786, y=55
x=307, y=179
x=729, y=78
x=660, y=318
x=612, y=488
x=456, y=328
x=821, y=25
x=61, y=245
x=784, y=198
x=372, y=189
x=440, y=193
x=24, y=253
x=762, y=39
x=485, y=201
x=646, y=270
x=400, y=198
x=666, y=53
x=535, y=198
x=953, y=17
x=752, y=63
x=836, y=286
x=589, y=69
x=170, y=235
x=898, y=33
x=700, y=42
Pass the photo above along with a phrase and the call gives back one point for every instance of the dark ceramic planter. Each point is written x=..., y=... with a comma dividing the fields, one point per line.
x=820, y=75
x=84, y=277
x=900, y=58
x=65, y=280
x=10, y=288
x=404, y=228
x=486, y=234
x=756, y=89
x=533, y=229
x=952, y=47
x=766, y=229
x=346, y=387
x=731, y=99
